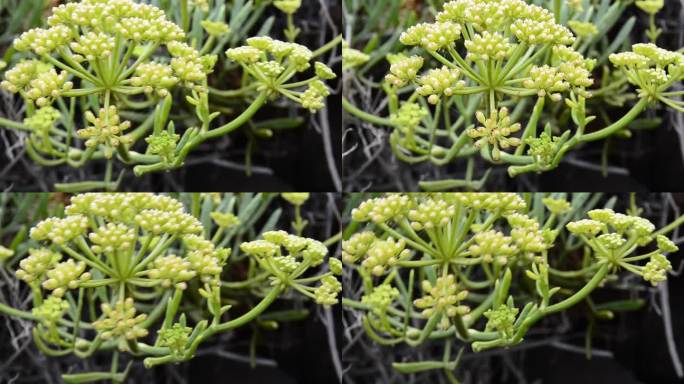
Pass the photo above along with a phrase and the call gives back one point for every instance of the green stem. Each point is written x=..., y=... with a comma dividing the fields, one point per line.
x=364, y=115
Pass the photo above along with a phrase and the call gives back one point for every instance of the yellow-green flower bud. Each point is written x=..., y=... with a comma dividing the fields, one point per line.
x=121, y=321
x=582, y=29
x=585, y=227
x=295, y=198
x=172, y=270
x=60, y=231
x=666, y=245
x=431, y=213
x=439, y=81
x=5, y=253
x=34, y=267
x=175, y=338
x=651, y=6
x=65, y=275
x=351, y=57
x=403, y=69
x=556, y=206
x=488, y=46
x=225, y=220
x=326, y=293
x=442, y=297
x=357, y=246
x=384, y=254
x=323, y=71
x=288, y=6
x=215, y=28
x=112, y=238
x=432, y=36
x=493, y=246
x=656, y=269
x=154, y=77
x=94, y=45
x=335, y=266
x=382, y=209
x=158, y=222
x=501, y=319
x=547, y=81
x=107, y=129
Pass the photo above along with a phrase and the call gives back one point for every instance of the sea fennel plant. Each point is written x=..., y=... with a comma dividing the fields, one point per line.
x=138, y=274
x=482, y=269
x=512, y=83
x=99, y=64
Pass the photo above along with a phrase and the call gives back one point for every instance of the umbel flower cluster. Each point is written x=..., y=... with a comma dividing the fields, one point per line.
x=127, y=56
x=128, y=268
x=459, y=73
x=485, y=267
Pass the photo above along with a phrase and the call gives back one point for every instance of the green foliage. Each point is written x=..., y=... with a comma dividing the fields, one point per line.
x=472, y=60
x=490, y=266
x=133, y=62
x=155, y=276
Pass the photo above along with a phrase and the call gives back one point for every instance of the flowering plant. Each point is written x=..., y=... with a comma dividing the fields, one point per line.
x=485, y=268
x=100, y=81
x=511, y=83
x=141, y=274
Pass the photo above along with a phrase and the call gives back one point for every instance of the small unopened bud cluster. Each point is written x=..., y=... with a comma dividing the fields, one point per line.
x=382, y=209
x=556, y=206
x=107, y=129
x=546, y=32
x=51, y=310
x=548, y=81
x=493, y=247
x=384, y=254
x=314, y=96
x=442, y=297
x=94, y=45
x=43, y=120
x=189, y=65
x=215, y=28
x=172, y=270
x=495, y=130
x=33, y=268
x=60, y=231
x=409, y=117
x=158, y=222
x=651, y=6
x=351, y=57
x=404, y=69
x=112, y=238
x=586, y=227
x=154, y=77
x=488, y=46
x=439, y=81
x=288, y=6
x=431, y=213
x=501, y=319
x=295, y=198
x=175, y=338
x=225, y=220
x=121, y=321
x=655, y=271
x=498, y=202
x=326, y=293
x=380, y=299
x=357, y=246
x=163, y=144
x=64, y=276
x=432, y=36
x=583, y=29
